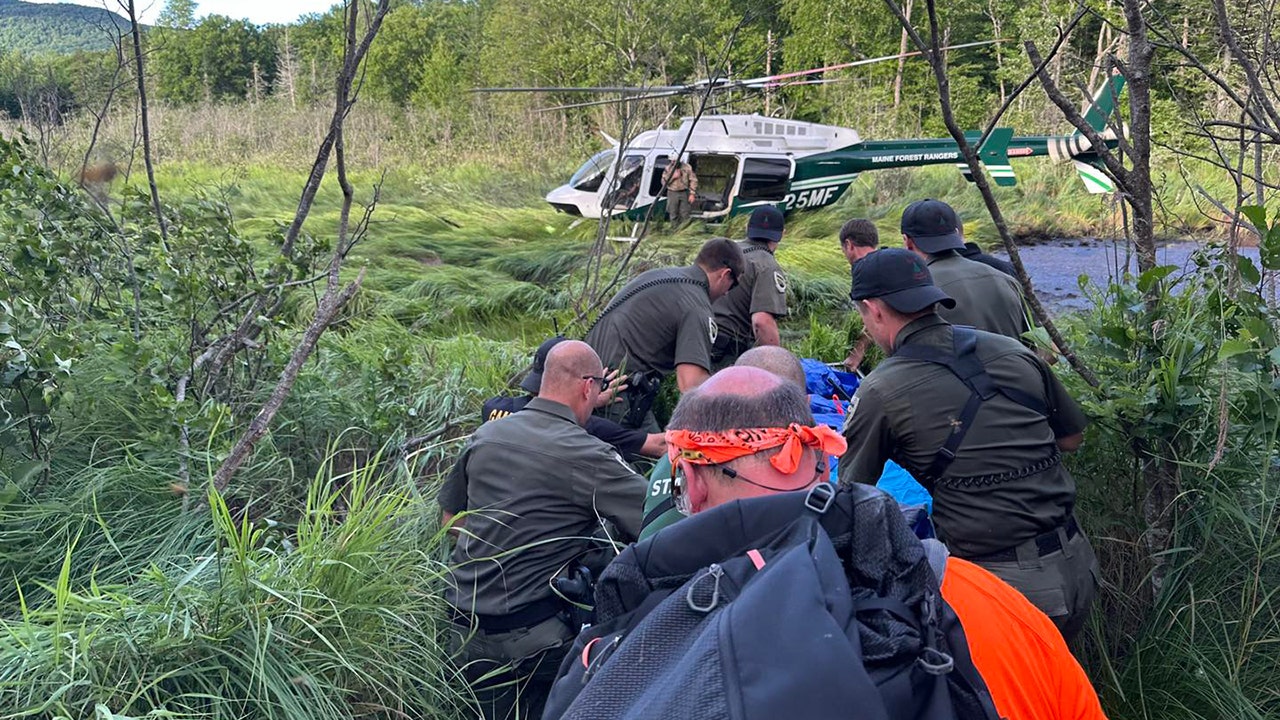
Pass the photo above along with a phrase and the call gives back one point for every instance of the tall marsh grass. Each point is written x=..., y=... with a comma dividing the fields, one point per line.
x=335, y=615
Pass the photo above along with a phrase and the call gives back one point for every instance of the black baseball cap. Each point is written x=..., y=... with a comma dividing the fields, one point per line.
x=765, y=224
x=532, y=382
x=932, y=225
x=899, y=278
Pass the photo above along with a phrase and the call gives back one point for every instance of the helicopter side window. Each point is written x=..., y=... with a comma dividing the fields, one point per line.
x=591, y=174
x=655, y=181
x=764, y=179
x=628, y=185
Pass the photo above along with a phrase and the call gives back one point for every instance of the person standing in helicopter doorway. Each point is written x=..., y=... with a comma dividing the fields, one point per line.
x=682, y=188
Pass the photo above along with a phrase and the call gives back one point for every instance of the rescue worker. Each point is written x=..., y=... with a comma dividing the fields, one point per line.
x=537, y=485
x=985, y=298
x=627, y=442
x=748, y=314
x=659, y=508
x=662, y=323
x=682, y=191
x=858, y=239
x=1024, y=661
x=980, y=421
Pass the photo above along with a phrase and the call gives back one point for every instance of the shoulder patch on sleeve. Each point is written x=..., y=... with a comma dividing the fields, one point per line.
x=780, y=281
x=623, y=463
x=713, y=331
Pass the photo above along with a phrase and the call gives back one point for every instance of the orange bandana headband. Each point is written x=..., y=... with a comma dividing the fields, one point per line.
x=702, y=447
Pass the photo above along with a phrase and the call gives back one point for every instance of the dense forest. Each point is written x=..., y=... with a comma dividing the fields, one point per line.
x=255, y=282
x=430, y=53
x=59, y=28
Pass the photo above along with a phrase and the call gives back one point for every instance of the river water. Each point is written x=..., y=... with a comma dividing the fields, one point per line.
x=1055, y=266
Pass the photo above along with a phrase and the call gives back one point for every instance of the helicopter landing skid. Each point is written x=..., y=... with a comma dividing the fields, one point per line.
x=635, y=236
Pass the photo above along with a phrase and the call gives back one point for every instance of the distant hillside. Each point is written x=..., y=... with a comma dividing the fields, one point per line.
x=56, y=28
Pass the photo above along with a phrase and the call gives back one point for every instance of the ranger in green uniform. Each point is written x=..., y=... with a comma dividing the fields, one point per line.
x=661, y=322
x=858, y=239
x=537, y=487
x=980, y=421
x=985, y=297
x=748, y=314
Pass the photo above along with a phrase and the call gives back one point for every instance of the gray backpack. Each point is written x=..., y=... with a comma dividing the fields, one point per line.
x=799, y=605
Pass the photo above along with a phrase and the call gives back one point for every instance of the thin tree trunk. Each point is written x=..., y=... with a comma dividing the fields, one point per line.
x=146, y=125
x=902, y=61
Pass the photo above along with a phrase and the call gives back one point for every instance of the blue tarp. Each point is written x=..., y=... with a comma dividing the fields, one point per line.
x=828, y=392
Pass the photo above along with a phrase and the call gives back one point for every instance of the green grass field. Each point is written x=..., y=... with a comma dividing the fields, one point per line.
x=315, y=590
x=473, y=247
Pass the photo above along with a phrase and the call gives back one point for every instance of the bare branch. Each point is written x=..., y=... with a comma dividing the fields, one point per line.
x=1063, y=34
x=128, y=6
x=1073, y=116
x=334, y=299
x=937, y=62
x=1228, y=34
x=595, y=302
x=343, y=102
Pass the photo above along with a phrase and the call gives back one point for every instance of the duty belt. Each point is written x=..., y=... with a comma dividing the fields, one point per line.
x=527, y=616
x=1046, y=543
x=973, y=481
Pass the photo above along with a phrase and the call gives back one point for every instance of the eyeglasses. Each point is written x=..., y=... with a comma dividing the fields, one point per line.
x=680, y=494
x=819, y=469
x=601, y=380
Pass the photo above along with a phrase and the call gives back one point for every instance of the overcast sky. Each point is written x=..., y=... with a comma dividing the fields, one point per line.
x=258, y=11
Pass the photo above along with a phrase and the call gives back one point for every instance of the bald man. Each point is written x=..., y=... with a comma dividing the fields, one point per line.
x=1024, y=661
x=659, y=508
x=537, y=487
x=775, y=359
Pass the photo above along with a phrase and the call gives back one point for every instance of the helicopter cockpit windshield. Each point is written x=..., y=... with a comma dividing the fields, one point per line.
x=591, y=174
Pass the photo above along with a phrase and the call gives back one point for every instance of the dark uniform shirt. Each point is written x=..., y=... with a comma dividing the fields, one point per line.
x=972, y=252
x=627, y=441
x=985, y=297
x=536, y=484
x=762, y=288
x=904, y=411
x=660, y=319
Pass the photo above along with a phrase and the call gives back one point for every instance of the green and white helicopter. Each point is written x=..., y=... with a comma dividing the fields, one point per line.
x=744, y=161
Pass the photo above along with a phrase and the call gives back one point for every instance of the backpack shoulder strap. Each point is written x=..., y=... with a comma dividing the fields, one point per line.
x=656, y=512
x=622, y=298
x=963, y=362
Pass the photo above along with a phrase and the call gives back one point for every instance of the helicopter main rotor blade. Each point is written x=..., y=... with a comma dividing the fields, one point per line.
x=768, y=80
x=781, y=80
x=613, y=101
x=626, y=90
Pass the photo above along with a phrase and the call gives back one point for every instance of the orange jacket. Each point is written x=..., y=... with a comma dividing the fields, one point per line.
x=1030, y=671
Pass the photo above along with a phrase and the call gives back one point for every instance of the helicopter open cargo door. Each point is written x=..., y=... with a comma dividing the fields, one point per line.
x=717, y=178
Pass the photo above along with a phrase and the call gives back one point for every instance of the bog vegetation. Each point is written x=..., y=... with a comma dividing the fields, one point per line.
x=308, y=585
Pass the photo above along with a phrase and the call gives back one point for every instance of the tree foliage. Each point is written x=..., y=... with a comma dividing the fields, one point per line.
x=218, y=59
x=58, y=28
